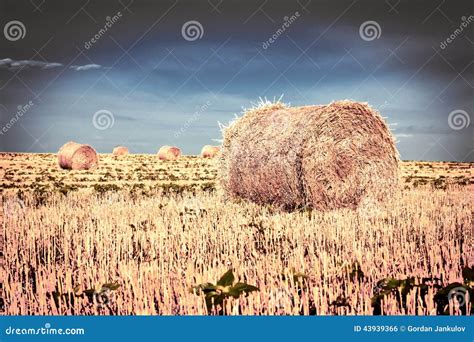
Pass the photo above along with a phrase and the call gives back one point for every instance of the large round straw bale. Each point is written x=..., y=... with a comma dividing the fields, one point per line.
x=120, y=151
x=74, y=156
x=209, y=151
x=169, y=153
x=320, y=157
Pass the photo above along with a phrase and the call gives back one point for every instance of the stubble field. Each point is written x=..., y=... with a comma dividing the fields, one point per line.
x=137, y=234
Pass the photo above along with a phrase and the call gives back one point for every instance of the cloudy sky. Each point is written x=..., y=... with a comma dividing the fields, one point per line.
x=145, y=74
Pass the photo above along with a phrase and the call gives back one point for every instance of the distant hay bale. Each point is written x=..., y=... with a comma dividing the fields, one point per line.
x=120, y=151
x=74, y=156
x=209, y=151
x=169, y=153
x=320, y=157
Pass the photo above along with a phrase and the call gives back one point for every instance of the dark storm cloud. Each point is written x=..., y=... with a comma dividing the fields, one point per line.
x=140, y=66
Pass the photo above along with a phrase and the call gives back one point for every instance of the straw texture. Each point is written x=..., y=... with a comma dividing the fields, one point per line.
x=321, y=157
x=120, y=151
x=74, y=156
x=169, y=153
x=209, y=151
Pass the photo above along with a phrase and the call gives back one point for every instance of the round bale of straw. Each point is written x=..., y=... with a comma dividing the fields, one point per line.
x=319, y=157
x=209, y=151
x=169, y=153
x=120, y=151
x=74, y=156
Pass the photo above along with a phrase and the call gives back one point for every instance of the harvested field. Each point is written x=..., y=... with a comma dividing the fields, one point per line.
x=140, y=233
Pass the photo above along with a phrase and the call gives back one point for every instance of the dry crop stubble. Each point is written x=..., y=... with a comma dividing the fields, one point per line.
x=156, y=249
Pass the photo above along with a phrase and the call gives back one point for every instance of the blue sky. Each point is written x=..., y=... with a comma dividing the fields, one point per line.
x=161, y=88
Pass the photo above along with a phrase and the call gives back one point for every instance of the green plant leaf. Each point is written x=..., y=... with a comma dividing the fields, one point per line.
x=227, y=279
x=204, y=288
x=393, y=283
x=111, y=286
x=298, y=276
x=391, y=286
x=340, y=301
x=212, y=293
x=442, y=297
x=89, y=292
x=445, y=290
x=215, y=295
x=240, y=288
x=468, y=274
